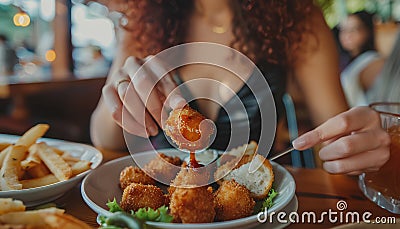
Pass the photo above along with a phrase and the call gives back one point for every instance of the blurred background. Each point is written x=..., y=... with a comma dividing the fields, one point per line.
x=55, y=55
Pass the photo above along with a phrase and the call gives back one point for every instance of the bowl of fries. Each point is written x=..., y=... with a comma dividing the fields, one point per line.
x=37, y=170
x=13, y=214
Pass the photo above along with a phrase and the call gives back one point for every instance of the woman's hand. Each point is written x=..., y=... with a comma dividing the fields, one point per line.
x=353, y=142
x=136, y=98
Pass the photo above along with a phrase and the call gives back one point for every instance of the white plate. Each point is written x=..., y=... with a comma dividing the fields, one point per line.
x=103, y=185
x=44, y=194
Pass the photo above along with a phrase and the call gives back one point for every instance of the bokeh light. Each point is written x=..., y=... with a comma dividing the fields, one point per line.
x=50, y=55
x=21, y=19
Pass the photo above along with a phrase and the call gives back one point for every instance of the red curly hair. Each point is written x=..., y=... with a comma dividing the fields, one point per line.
x=264, y=29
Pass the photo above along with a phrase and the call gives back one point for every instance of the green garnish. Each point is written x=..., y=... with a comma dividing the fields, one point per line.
x=164, y=216
x=269, y=201
x=114, y=206
x=149, y=214
x=146, y=214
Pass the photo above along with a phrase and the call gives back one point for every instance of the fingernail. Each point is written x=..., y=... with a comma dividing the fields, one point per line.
x=299, y=143
x=153, y=131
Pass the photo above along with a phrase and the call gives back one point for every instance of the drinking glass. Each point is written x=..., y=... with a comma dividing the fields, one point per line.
x=383, y=186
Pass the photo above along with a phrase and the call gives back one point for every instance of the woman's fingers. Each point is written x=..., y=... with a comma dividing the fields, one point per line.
x=167, y=85
x=354, y=142
x=145, y=88
x=133, y=105
x=340, y=125
x=113, y=102
x=350, y=145
x=370, y=160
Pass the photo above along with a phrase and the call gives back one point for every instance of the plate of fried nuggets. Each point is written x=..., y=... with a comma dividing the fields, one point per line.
x=38, y=170
x=224, y=204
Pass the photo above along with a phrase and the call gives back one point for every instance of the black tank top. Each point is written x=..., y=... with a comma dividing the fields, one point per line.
x=276, y=78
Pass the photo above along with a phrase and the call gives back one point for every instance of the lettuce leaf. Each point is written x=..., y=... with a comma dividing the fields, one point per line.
x=146, y=214
x=114, y=206
x=269, y=201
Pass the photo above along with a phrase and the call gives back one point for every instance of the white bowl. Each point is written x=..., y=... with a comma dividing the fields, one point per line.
x=47, y=193
x=103, y=185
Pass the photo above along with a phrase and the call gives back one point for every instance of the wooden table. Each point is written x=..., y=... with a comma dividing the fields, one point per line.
x=316, y=191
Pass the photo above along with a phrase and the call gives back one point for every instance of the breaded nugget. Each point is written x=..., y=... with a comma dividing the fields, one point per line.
x=183, y=127
x=189, y=178
x=137, y=196
x=192, y=205
x=133, y=174
x=163, y=167
x=233, y=201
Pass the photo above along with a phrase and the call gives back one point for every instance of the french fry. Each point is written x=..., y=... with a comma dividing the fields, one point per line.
x=68, y=157
x=10, y=205
x=33, y=218
x=57, y=151
x=32, y=135
x=37, y=182
x=3, y=155
x=54, y=162
x=80, y=167
x=4, y=145
x=65, y=221
x=11, y=168
x=32, y=159
x=38, y=171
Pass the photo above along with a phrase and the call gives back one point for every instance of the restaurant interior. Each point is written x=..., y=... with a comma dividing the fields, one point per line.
x=62, y=51
x=55, y=56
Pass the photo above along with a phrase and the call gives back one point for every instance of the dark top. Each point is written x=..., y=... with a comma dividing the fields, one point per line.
x=276, y=78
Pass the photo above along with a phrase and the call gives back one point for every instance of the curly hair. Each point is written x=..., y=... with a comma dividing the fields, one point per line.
x=264, y=29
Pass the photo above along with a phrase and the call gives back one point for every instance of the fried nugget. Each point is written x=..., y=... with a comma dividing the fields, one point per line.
x=133, y=174
x=192, y=205
x=183, y=127
x=137, y=196
x=189, y=178
x=233, y=201
x=163, y=167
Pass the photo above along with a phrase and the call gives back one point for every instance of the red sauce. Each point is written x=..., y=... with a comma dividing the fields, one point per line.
x=193, y=163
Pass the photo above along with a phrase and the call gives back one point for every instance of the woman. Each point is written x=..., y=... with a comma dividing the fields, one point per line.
x=278, y=36
x=356, y=35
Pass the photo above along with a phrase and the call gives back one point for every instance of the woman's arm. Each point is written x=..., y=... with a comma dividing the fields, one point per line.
x=316, y=71
x=353, y=140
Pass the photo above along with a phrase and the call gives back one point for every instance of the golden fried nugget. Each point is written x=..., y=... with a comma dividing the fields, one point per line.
x=133, y=174
x=233, y=201
x=192, y=205
x=183, y=127
x=137, y=196
x=189, y=178
x=163, y=167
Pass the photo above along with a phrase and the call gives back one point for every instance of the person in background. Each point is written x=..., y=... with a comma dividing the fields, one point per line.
x=8, y=58
x=386, y=87
x=357, y=39
x=280, y=37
